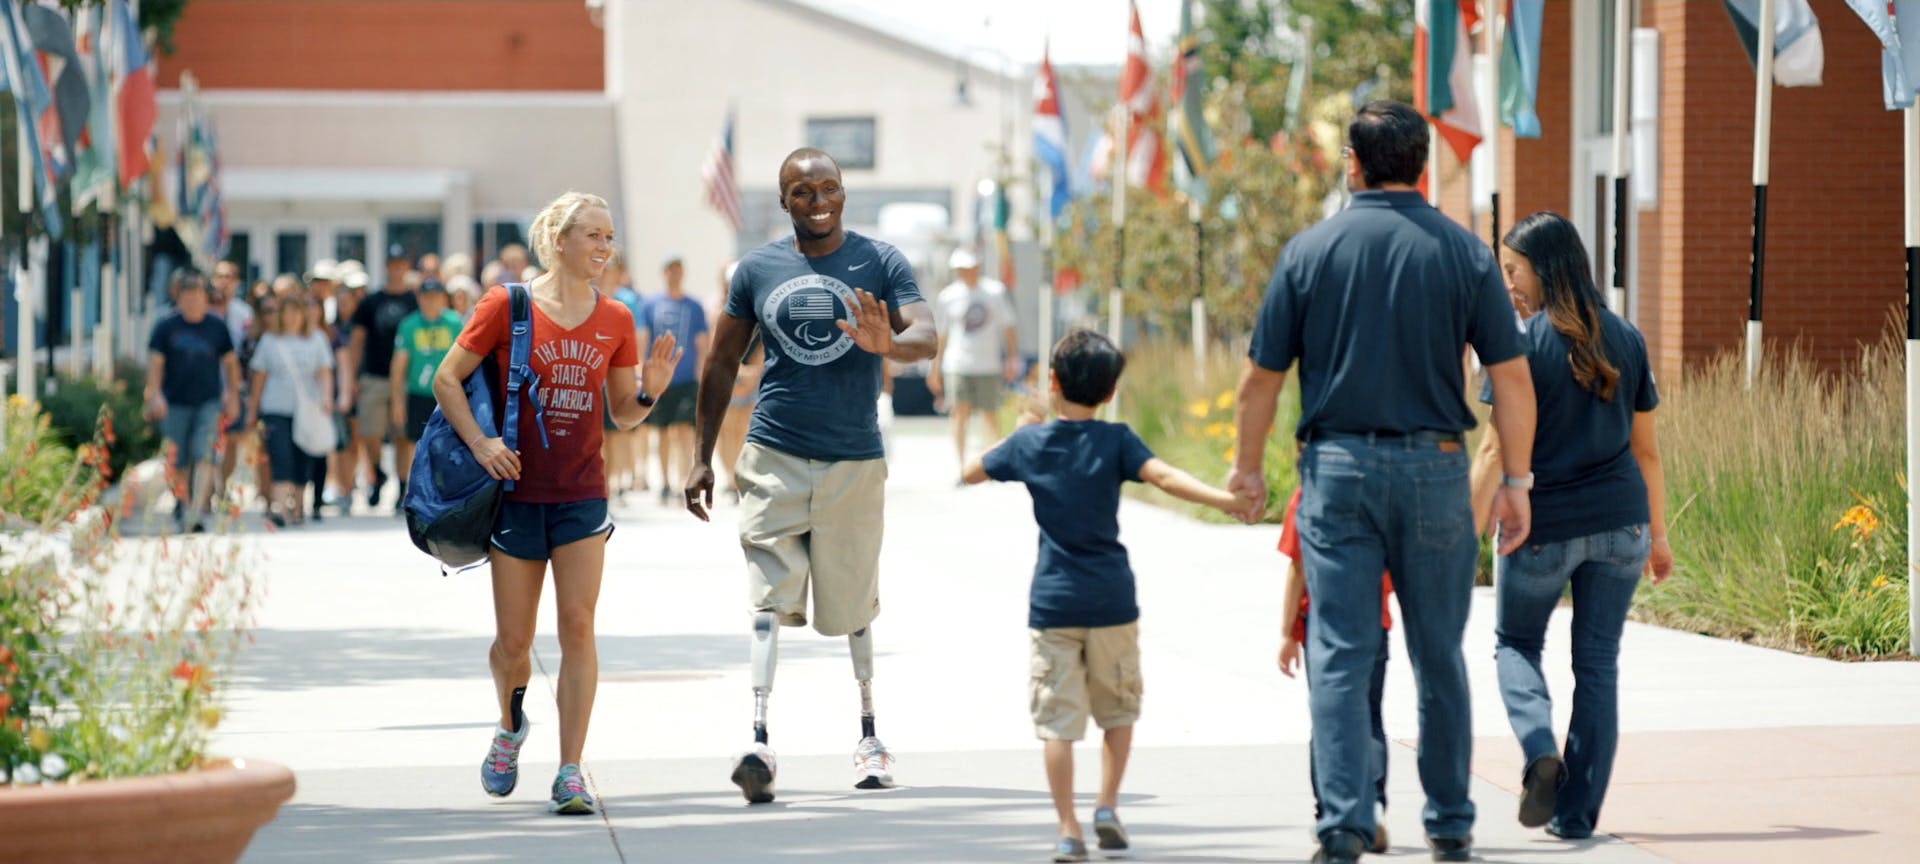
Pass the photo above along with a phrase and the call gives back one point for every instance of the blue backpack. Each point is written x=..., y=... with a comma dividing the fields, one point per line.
x=453, y=503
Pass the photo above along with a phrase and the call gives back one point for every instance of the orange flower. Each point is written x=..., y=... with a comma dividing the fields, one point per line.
x=6, y=702
x=1861, y=519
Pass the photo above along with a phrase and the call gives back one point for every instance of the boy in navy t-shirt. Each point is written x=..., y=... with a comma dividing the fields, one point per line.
x=1083, y=618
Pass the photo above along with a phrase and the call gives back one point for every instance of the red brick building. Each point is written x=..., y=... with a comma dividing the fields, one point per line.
x=1835, y=259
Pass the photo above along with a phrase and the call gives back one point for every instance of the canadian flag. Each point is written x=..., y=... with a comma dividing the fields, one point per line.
x=1146, y=163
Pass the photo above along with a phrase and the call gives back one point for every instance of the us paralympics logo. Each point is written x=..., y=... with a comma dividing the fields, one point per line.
x=802, y=315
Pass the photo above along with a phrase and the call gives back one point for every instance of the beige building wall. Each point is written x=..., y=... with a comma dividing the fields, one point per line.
x=675, y=67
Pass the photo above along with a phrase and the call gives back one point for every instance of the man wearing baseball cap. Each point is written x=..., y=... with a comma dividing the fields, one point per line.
x=979, y=349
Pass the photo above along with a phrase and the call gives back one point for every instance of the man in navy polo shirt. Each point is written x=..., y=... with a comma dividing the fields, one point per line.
x=1377, y=305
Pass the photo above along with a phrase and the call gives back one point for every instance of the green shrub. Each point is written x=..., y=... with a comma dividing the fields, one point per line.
x=79, y=407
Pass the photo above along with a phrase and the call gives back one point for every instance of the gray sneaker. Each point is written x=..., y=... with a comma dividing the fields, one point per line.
x=1069, y=849
x=570, y=795
x=500, y=771
x=1106, y=824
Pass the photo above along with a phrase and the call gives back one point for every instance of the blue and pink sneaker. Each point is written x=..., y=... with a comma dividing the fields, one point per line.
x=500, y=772
x=570, y=796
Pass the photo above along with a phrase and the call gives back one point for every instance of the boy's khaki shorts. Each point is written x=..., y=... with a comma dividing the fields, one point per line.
x=808, y=522
x=1085, y=670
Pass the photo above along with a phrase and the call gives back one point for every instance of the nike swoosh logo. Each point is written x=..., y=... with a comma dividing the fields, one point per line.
x=856, y=266
x=603, y=337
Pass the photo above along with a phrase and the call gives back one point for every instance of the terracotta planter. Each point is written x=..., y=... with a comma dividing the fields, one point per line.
x=198, y=817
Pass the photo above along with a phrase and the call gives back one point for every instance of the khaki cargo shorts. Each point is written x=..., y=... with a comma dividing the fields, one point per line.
x=375, y=409
x=1079, y=671
x=809, y=524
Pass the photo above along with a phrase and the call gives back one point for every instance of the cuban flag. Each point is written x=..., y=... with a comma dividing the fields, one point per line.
x=1050, y=134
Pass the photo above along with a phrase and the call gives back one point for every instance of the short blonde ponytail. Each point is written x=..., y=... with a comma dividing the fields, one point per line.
x=556, y=219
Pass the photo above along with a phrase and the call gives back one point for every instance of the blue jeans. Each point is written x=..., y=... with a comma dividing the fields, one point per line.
x=191, y=429
x=1398, y=504
x=1375, y=690
x=1604, y=570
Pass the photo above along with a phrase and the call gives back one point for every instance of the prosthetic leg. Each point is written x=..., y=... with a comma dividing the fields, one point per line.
x=753, y=772
x=872, y=763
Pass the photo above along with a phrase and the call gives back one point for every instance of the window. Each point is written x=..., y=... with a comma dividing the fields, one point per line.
x=491, y=234
x=240, y=251
x=411, y=238
x=1603, y=124
x=350, y=246
x=290, y=252
x=850, y=140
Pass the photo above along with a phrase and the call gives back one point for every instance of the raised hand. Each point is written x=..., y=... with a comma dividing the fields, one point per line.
x=657, y=372
x=872, y=326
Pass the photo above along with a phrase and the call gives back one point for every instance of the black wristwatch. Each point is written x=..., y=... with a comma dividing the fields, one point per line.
x=644, y=400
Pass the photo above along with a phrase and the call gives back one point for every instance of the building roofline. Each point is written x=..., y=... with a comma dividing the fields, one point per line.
x=896, y=41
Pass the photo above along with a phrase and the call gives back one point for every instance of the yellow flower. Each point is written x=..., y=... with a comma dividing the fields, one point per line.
x=17, y=401
x=1220, y=430
x=1199, y=409
x=209, y=717
x=1861, y=519
x=39, y=740
x=1224, y=400
x=1880, y=582
x=1230, y=455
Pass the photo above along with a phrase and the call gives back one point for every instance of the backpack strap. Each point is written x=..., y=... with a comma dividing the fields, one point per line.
x=520, y=374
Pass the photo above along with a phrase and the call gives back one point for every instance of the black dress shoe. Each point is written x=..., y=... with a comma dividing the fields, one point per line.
x=1340, y=846
x=1541, y=790
x=1451, y=848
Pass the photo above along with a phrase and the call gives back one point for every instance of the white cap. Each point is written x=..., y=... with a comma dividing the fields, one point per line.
x=962, y=259
x=351, y=265
x=463, y=283
x=354, y=279
x=324, y=268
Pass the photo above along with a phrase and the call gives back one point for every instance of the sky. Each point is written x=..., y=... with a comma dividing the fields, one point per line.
x=1083, y=32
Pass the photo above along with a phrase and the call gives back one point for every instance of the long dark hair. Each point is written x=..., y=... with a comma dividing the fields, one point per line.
x=1570, y=299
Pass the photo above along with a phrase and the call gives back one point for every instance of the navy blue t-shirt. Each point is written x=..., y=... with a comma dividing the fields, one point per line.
x=819, y=391
x=1073, y=469
x=1585, y=477
x=191, y=374
x=1378, y=304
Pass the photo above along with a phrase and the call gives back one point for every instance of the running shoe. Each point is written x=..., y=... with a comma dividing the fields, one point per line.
x=753, y=773
x=1106, y=825
x=500, y=772
x=570, y=796
x=871, y=764
x=1069, y=849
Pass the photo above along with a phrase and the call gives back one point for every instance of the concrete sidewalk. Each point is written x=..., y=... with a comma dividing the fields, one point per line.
x=369, y=678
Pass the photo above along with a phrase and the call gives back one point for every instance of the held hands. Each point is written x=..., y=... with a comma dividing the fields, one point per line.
x=657, y=372
x=1250, y=487
x=700, y=491
x=871, y=327
x=1660, y=561
x=493, y=455
x=1513, y=513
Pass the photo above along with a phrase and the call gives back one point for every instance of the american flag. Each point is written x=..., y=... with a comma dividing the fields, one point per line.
x=722, y=195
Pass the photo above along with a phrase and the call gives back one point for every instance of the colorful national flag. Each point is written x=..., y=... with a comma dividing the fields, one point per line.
x=95, y=177
x=1443, y=71
x=60, y=128
x=1899, y=66
x=1192, y=138
x=1146, y=164
x=138, y=104
x=1520, y=67
x=1050, y=135
x=722, y=194
x=29, y=85
x=1798, y=55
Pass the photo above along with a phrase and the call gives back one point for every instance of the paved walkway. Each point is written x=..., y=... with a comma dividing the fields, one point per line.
x=369, y=678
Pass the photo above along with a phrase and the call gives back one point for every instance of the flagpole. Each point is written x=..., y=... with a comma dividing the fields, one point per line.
x=1490, y=108
x=1045, y=347
x=1116, y=319
x=1199, y=290
x=1622, y=71
x=1762, y=145
x=1911, y=116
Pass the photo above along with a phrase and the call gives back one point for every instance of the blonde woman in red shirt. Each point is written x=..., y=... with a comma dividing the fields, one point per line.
x=587, y=360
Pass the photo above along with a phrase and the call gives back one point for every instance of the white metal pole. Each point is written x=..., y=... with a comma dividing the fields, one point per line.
x=1199, y=298
x=1622, y=93
x=1116, y=318
x=1762, y=149
x=1046, y=305
x=1912, y=151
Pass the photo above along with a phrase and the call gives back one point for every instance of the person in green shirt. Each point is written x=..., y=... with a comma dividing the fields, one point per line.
x=422, y=342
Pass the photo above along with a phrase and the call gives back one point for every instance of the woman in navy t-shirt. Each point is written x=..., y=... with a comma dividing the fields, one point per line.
x=1599, y=519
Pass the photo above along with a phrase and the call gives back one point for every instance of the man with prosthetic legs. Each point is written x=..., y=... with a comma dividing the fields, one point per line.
x=830, y=304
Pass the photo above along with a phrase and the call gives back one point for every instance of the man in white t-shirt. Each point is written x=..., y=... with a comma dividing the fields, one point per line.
x=979, y=349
